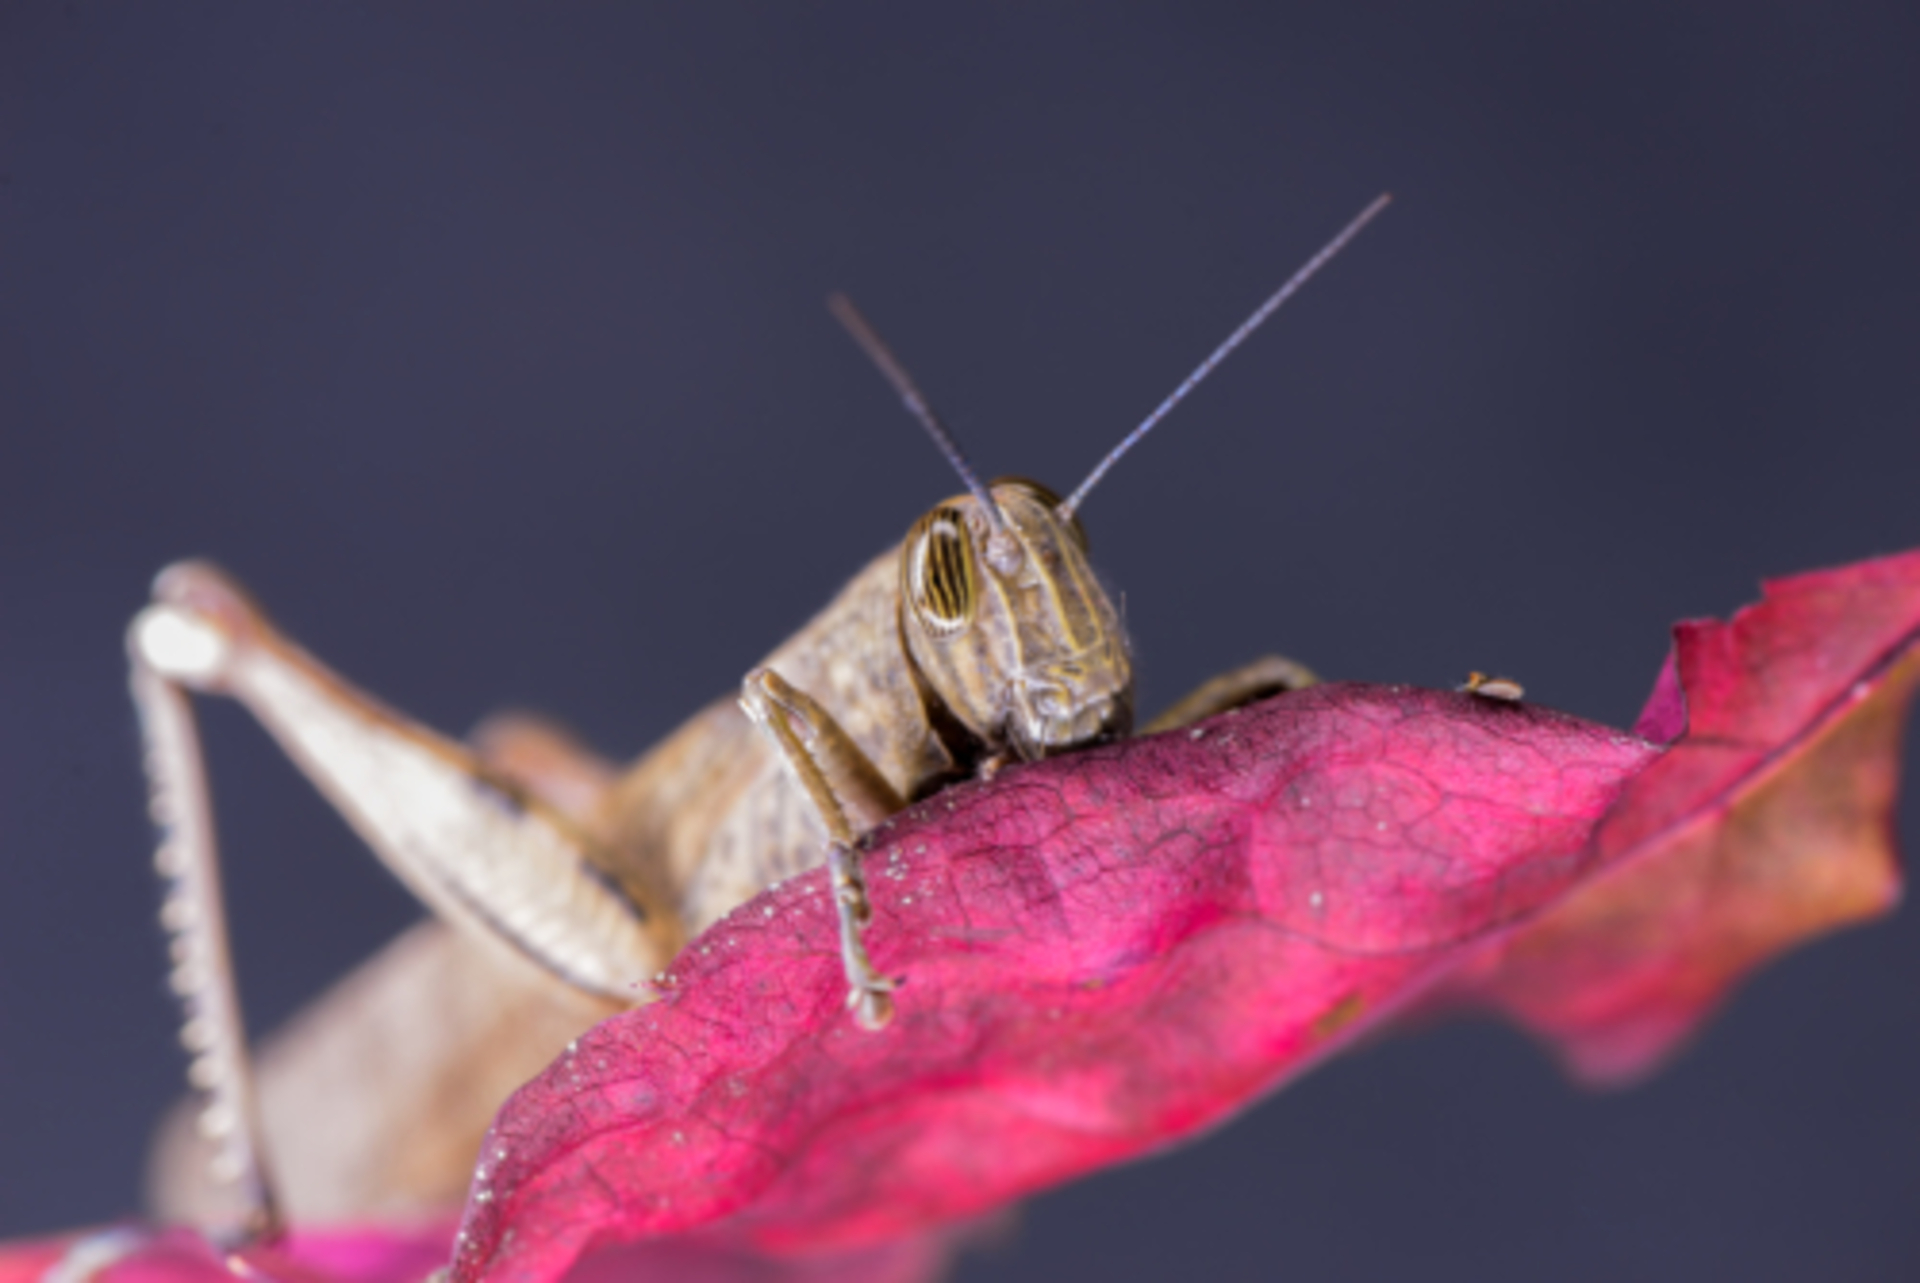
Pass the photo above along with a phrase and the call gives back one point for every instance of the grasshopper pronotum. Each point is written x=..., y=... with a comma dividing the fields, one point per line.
x=558, y=882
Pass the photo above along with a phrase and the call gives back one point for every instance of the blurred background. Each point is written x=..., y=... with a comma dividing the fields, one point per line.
x=488, y=346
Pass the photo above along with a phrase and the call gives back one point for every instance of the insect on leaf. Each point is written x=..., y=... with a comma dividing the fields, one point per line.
x=1110, y=951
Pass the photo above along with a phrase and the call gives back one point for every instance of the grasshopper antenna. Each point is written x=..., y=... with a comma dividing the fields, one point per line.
x=1234, y=340
x=882, y=356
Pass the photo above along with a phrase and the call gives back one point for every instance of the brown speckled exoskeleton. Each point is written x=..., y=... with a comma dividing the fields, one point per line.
x=559, y=883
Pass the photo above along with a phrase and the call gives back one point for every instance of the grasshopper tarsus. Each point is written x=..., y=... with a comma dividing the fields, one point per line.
x=872, y=1008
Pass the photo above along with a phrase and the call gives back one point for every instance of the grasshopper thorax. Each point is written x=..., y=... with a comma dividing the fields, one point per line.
x=1011, y=633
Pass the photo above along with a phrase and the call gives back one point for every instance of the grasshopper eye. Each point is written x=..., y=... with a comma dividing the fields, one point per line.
x=940, y=575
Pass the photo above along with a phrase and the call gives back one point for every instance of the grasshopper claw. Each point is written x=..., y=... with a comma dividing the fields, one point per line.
x=871, y=1003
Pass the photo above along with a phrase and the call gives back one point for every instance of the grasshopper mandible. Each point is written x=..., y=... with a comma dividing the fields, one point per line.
x=559, y=883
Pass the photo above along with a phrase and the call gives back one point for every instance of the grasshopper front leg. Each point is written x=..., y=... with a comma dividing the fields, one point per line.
x=837, y=778
x=516, y=873
x=1267, y=675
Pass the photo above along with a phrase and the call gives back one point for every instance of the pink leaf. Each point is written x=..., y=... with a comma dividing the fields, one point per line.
x=1111, y=951
x=1105, y=952
x=1769, y=822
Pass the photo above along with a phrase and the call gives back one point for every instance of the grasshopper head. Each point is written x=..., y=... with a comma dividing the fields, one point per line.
x=1008, y=627
x=1011, y=634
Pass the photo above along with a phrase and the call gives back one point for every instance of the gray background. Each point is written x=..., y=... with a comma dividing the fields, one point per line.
x=488, y=347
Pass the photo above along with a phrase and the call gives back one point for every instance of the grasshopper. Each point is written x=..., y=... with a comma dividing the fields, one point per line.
x=559, y=883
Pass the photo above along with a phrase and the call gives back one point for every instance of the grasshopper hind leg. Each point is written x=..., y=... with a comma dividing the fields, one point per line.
x=548, y=761
x=379, y=1100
